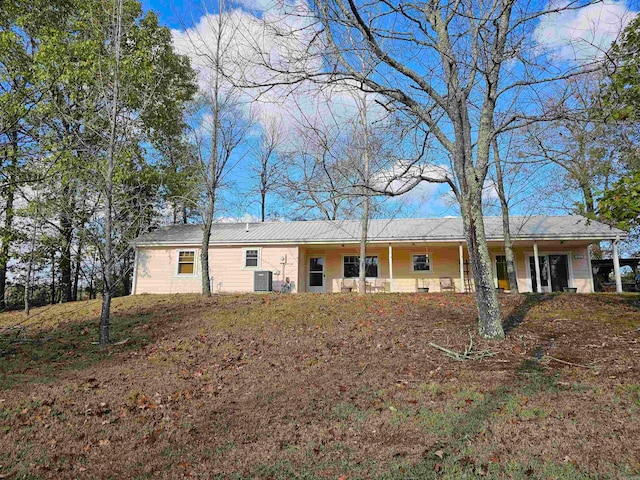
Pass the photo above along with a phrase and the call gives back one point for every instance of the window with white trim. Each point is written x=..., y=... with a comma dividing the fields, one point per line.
x=186, y=262
x=351, y=266
x=421, y=262
x=251, y=258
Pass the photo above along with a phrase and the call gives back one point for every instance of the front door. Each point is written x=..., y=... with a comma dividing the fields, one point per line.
x=554, y=272
x=316, y=275
x=501, y=272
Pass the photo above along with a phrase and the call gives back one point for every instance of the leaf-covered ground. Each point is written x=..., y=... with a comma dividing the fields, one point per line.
x=322, y=386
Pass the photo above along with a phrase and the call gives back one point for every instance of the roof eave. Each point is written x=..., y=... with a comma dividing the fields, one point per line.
x=531, y=238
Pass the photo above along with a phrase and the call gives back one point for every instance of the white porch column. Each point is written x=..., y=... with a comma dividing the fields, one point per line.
x=616, y=266
x=461, y=253
x=593, y=288
x=390, y=268
x=537, y=264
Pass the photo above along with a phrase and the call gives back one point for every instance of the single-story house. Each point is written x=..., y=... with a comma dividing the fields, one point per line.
x=403, y=255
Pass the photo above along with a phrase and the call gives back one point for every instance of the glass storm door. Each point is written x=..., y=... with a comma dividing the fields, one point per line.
x=559, y=268
x=501, y=272
x=316, y=275
x=554, y=272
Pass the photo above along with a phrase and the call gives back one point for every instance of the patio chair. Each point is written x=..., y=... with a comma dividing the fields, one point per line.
x=422, y=285
x=447, y=285
x=347, y=285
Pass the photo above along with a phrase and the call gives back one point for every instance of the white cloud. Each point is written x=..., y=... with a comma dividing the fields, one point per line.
x=582, y=35
x=413, y=179
x=249, y=43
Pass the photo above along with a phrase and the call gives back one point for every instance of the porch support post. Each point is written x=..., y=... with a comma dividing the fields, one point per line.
x=461, y=254
x=616, y=266
x=390, y=268
x=537, y=264
x=593, y=288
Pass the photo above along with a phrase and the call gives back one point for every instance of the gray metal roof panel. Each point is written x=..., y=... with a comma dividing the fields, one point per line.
x=425, y=229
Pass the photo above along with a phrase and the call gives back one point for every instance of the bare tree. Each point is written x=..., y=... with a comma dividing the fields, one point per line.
x=583, y=147
x=268, y=168
x=313, y=182
x=112, y=143
x=506, y=228
x=462, y=70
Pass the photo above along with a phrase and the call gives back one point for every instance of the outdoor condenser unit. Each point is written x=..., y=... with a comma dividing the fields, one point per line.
x=263, y=281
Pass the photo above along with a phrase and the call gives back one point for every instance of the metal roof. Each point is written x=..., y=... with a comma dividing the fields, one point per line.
x=448, y=229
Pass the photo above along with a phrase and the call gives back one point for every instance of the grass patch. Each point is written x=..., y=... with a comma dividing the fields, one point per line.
x=41, y=359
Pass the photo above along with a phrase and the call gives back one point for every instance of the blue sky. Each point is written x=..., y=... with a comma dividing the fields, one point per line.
x=185, y=14
x=176, y=14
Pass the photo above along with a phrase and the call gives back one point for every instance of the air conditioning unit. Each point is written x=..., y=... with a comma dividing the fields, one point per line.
x=263, y=281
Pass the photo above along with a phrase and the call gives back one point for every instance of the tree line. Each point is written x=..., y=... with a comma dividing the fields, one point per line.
x=106, y=130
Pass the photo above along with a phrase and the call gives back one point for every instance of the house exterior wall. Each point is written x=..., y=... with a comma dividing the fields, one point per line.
x=157, y=269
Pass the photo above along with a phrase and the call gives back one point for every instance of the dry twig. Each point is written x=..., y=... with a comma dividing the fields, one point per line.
x=468, y=354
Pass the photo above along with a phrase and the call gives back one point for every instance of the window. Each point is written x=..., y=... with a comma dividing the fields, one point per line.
x=251, y=258
x=421, y=263
x=186, y=262
x=351, y=264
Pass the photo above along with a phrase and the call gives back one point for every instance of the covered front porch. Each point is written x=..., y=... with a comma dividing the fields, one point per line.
x=545, y=266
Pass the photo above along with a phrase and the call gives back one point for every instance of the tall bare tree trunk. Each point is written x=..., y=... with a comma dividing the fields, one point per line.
x=213, y=173
x=66, y=228
x=108, y=277
x=77, y=269
x=362, y=276
x=7, y=234
x=504, y=205
x=27, y=283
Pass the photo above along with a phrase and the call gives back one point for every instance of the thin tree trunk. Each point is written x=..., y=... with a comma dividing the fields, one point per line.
x=54, y=291
x=212, y=174
x=263, y=206
x=76, y=274
x=362, y=277
x=204, y=253
x=126, y=274
x=66, y=228
x=107, y=293
x=504, y=205
x=8, y=235
x=27, y=284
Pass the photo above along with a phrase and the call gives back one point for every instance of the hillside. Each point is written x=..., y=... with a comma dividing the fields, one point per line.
x=322, y=386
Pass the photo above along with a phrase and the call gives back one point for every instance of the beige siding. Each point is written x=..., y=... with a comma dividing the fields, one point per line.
x=157, y=269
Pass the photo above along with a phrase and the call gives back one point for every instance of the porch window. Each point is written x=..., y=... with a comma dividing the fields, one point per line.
x=251, y=258
x=421, y=263
x=351, y=266
x=186, y=262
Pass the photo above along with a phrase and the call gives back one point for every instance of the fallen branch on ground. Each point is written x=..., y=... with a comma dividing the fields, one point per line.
x=570, y=363
x=468, y=354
